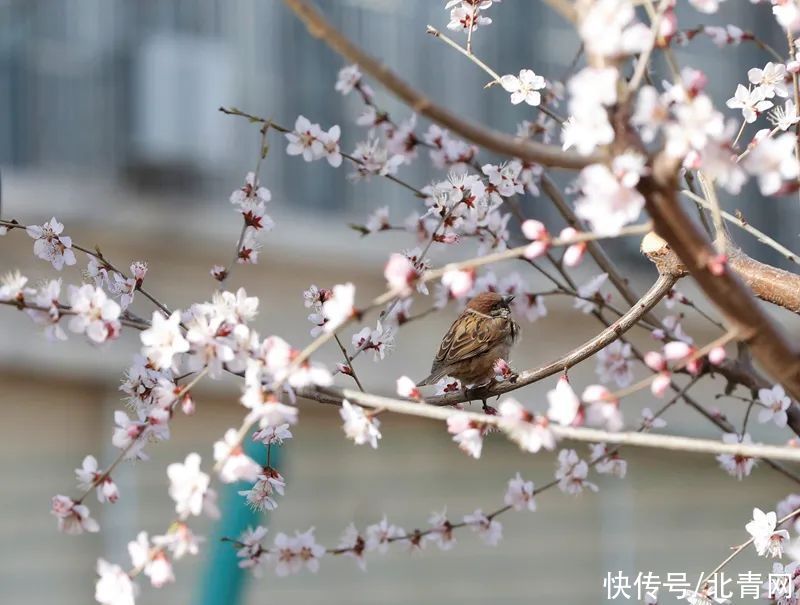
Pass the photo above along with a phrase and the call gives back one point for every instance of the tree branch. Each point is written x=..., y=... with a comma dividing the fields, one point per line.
x=726, y=290
x=531, y=151
x=667, y=442
x=659, y=290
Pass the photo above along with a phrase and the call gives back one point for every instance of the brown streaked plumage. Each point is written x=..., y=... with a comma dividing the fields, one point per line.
x=482, y=334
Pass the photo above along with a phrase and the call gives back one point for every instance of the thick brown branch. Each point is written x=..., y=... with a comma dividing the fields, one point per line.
x=769, y=283
x=727, y=290
x=531, y=151
x=738, y=371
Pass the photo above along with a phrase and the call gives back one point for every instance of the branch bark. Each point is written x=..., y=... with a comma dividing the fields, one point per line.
x=769, y=283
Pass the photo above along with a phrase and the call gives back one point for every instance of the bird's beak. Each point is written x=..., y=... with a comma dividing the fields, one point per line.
x=509, y=298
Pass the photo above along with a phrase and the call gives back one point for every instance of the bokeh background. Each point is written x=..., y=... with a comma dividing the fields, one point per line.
x=109, y=121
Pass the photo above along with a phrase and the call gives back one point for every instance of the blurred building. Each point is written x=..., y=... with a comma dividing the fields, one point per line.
x=108, y=120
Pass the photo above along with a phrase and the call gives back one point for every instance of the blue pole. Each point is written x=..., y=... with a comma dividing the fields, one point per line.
x=223, y=581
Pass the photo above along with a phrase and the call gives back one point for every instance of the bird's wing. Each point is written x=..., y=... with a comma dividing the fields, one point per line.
x=471, y=334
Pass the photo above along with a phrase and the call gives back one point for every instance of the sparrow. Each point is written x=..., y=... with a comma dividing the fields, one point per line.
x=482, y=334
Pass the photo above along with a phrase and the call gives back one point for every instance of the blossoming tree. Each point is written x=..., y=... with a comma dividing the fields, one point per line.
x=644, y=159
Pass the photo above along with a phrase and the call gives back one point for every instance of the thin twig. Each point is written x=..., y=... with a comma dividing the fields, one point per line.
x=495, y=76
x=530, y=151
x=666, y=442
x=107, y=264
x=742, y=224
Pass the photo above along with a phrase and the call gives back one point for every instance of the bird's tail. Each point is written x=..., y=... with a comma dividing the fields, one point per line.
x=431, y=379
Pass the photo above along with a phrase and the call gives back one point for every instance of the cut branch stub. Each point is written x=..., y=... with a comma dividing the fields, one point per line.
x=662, y=256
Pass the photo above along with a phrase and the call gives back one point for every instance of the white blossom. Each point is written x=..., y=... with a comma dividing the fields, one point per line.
x=531, y=433
x=776, y=402
x=358, y=425
x=736, y=466
x=524, y=88
x=114, y=586
x=50, y=245
x=772, y=161
x=571, y=473
x=96, y=315
x=520, y=494
x=348, y=78
x=607, y=462
x=235, y=464
x=379, y=535
x=751, y=102
x=260, y=495
x=767, y=540
x=589, y=291
x=614, y=363
x=441, y=531
x=564, y=403
x=189, y=487
x=339, y=307
x=466, y=433
x=73, y=518
x=490, y=530
x=163, y=340
x=771, y=80
x=250, y=551
x=305, y=140
x=606, y=203
x=90, y=476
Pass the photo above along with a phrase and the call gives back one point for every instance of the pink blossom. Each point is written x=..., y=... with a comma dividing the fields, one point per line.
x=459, y=282
x=661, y=383
x=401, y=274
x=573, y=255
x=537, y=233
x=467, y=433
